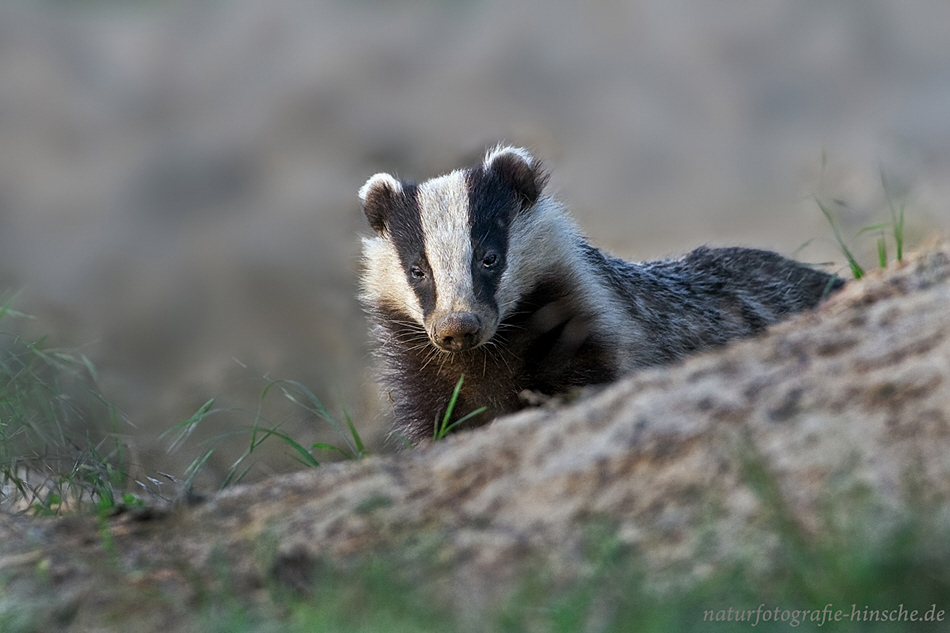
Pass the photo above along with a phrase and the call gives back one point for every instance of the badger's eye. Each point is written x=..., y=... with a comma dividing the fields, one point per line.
x=416, y=272
x=489, y=261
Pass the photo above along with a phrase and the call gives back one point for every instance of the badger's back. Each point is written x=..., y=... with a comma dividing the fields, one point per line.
x=709, y=296
x=480, y=274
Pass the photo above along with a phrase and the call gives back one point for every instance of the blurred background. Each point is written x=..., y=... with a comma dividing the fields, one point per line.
x=178, y=179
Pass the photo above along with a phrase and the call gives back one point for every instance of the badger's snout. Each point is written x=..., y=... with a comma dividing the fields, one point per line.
x=458, y=331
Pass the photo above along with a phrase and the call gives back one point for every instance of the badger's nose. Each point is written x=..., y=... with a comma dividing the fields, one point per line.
x=458, y=331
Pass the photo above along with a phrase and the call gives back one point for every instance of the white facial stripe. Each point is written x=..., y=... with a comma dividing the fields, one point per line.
x=443, y=206
x=384, y=280
x=537, y=241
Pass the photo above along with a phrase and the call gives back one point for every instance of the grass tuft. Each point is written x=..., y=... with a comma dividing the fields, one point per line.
x=261, y=430
x=892, y=230
x=61, y=446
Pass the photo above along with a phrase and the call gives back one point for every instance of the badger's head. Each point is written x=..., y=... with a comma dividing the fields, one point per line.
x=441, y=249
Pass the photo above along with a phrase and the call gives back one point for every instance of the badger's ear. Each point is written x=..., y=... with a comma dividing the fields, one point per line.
x=520, y=171
x=377, y=197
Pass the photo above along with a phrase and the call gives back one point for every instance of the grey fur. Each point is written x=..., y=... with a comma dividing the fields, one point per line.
x=563, y=314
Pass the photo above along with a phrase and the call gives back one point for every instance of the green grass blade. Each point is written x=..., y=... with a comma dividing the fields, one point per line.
x=310, y=402
x=856, y=269
x=464, y=418
x=899, y=234
x=184, y=429
x=313, y=404
x=6, y=307
x=93, y=372
x=195, y=467
x=309, y=459
x=360, y=447
x=897, y=218
x=330, y=447
x=233, y=476
x=442, y=429
x=802, y=247
x=873, y=228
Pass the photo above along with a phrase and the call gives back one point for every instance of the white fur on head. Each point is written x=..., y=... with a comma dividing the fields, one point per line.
x=381, y=180
x=539, y=243
x=519, y=170
x=443, y=209
x=500, y=150
x=384, y=279
x=377, y=196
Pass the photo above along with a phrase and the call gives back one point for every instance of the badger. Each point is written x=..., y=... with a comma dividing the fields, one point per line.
x=481, y=276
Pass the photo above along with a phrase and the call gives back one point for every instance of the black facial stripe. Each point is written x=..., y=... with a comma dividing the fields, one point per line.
x=405, y=229
x=491, y=205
